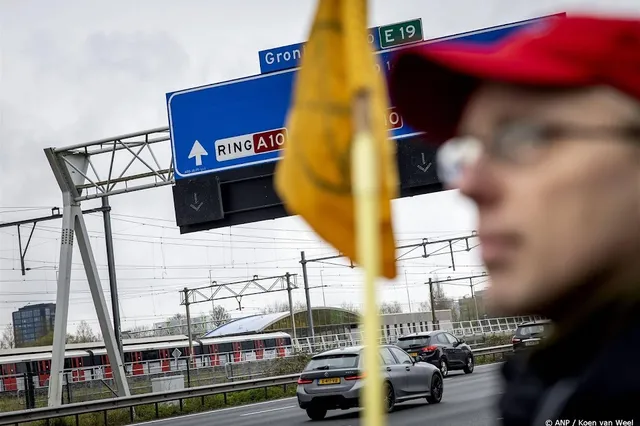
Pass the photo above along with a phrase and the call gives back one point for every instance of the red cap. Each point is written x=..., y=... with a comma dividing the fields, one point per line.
x=430, y=84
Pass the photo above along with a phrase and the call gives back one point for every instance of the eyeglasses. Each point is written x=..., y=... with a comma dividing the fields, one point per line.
x=516, y=144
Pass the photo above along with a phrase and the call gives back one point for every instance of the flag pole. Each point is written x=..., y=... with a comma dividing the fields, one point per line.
x=366, y=191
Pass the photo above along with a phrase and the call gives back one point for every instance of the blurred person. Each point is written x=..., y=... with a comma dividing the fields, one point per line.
x=542, y=133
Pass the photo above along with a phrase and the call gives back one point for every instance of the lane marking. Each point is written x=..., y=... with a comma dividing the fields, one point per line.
x=253, y=413
x=217, y=410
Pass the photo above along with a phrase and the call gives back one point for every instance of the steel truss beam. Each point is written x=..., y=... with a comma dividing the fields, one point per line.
x=278, y=283
x=117, y=165
x=408, y=248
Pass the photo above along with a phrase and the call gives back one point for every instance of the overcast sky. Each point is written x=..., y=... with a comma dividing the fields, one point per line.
x=76, y=71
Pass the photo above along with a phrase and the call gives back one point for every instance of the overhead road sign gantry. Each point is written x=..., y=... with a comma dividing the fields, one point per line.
x=241, y=122
x=239, y=125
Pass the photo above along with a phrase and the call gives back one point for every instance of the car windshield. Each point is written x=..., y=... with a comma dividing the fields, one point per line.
x=330, y=362
x=413, y=341
x=535, y=330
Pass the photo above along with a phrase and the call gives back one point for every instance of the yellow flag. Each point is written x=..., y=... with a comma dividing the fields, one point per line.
x=314, y=176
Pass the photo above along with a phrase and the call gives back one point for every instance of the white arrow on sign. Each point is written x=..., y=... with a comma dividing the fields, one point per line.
x=197, y=151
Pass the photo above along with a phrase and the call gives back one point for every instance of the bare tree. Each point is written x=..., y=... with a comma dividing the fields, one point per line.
x=281, y=306
x=84, y=333
x=140, y=328
x=177, y=318
x=8, y=341
x=443, y=303
x=277, y=306
x=440, y=299
x=424, y=306
x=390, y=308
x=219, y=315
x=349, y=306
x=299, y=305
x=138, y=331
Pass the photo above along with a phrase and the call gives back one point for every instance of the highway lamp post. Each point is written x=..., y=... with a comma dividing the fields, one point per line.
x=189, y=336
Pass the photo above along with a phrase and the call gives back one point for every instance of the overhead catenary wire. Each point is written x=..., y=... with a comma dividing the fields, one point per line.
x=236, y=240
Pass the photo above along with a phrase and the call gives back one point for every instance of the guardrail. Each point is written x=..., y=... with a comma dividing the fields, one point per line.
x=130, y=402
x=492, y=350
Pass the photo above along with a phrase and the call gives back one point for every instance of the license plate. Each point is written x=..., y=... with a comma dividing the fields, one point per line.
x=332, y=381
x=413, y=354
x=531, y=343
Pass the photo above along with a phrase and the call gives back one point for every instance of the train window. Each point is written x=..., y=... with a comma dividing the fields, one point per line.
x=225, y=348
x=287, y=341
x=247, y=345
x=128, y=357
x=269, y=343
x=150, y=355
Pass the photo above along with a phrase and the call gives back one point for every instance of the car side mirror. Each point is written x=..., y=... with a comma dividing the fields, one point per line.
x=460, y=341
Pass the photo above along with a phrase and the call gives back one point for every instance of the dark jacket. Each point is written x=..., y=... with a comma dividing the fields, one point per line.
x=590, y=373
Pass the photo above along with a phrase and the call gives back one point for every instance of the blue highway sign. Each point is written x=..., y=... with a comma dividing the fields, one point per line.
x=288, y=57
x=242, y=122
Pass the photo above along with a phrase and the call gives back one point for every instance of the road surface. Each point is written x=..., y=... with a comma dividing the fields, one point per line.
x=468, y=400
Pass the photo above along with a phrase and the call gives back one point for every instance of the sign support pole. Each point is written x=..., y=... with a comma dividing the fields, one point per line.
x=100, y=303
x=305, y=278
x=73, y=224
x=293, y=318
x=111, y=263
x=434, y=321
x=186, y=305
x=62, y=302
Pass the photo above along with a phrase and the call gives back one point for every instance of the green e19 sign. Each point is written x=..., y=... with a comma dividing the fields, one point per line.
x=400, y=33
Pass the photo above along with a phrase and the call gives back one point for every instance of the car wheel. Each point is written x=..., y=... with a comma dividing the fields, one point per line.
x=316, y=413
x=469, y=365
x=389, y=397
x=437, y=389
x=444, y=367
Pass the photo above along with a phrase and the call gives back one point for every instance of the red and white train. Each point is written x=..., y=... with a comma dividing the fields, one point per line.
x=89, y=361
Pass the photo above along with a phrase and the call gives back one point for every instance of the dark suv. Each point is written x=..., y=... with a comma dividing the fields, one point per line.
x=530, y=334
x=439, y=348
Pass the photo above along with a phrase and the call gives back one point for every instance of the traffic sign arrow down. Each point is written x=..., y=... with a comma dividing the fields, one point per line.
x=424, y=166
x=196, y=205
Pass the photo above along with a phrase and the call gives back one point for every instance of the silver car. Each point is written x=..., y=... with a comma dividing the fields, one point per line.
x=334, y=379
